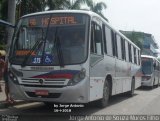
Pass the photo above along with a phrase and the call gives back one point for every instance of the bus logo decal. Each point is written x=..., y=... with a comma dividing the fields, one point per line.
x=41, y=81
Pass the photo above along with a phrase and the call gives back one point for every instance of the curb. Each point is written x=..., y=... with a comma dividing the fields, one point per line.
x=4, y=104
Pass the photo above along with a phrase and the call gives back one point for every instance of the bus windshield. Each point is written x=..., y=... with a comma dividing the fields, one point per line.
x=50, y=39
x=147, y=66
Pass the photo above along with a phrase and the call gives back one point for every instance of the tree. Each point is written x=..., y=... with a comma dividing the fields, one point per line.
x=96, y=7
x=11, y=19
x=56, y=4
x=135, y=37
x=3, y=9
x=74, y=4
x=28, y=6
x=3, y=16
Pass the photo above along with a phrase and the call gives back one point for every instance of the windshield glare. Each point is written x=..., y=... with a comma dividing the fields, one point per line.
x=147, y=66
x=51, y=39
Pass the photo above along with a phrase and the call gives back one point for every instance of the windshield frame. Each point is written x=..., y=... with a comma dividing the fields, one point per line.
x=87, y=32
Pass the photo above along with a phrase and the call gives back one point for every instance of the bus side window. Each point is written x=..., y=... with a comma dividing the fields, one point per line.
x=139, y=58
x=119, y=46
x=127, y=51
x=123, y=48
x=114, y=43
x=135, y=55
x=104, y=38
x=130, y=52
x=108, y=40
x=96, y=39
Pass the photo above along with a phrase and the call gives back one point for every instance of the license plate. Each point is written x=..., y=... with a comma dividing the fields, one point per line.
x=41, y=92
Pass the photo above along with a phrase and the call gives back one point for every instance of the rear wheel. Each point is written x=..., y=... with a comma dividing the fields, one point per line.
x=102, y=103
x=153, y=84
x=131, y=92
x=158, y=83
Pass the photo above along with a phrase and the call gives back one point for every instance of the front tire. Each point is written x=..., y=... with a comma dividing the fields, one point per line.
x=102, y=103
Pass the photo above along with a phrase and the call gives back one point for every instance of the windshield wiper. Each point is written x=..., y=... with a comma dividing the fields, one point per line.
x=57, y=46
x=34, y=47
x=59, y=52
x=38, y=43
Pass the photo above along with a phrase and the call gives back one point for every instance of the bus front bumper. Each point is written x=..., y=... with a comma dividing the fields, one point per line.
x=69, y=94
x=147, y=83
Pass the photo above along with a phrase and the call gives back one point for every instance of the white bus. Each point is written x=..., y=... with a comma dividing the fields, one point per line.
x=150, y=71
x=48, y=63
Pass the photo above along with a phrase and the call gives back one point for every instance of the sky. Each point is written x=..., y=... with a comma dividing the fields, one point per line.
x=134, y=15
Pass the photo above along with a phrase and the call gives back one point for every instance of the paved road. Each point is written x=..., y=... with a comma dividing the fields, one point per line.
x=144, y=102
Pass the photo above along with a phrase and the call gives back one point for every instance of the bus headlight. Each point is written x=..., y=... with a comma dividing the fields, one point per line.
x=146, y=78
x=13, y=77
x=77, y=78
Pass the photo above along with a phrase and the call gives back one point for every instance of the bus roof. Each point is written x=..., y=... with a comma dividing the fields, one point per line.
x=88, y=12
x=60, y=11
x=149, y=56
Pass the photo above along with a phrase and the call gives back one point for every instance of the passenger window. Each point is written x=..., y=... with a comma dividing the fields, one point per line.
x=127, y=55
x=104, y=38
x=114, y=43
x=123, y=49
x=96, y=39
x=130, y=52
x=119, y=46
x=135, y=55
x=108, y=41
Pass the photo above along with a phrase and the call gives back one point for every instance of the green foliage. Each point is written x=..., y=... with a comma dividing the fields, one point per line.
x=136, y=38
x=96, y=7
x=28, y=6
x=2, y=46
x=3, y=9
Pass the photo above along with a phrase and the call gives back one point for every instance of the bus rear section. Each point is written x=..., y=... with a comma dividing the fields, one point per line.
x=150, y=71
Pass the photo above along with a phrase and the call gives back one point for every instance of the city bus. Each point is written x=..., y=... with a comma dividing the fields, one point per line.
x=150, y=71
x=47, y=62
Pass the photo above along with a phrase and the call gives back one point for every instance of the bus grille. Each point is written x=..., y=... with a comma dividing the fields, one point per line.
x=50, y=95
x=46, y=82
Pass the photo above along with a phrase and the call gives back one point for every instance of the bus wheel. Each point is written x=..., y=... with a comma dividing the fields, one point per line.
x=131, y=92
x=153, y=84
x=102, y=103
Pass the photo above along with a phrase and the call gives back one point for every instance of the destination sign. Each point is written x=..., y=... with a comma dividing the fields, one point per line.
x=24, y=52
x=55, y=20
x=59, y=20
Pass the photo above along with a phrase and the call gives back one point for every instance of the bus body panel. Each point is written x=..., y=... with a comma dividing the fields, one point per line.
x=98, y=73
x=121, y=76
